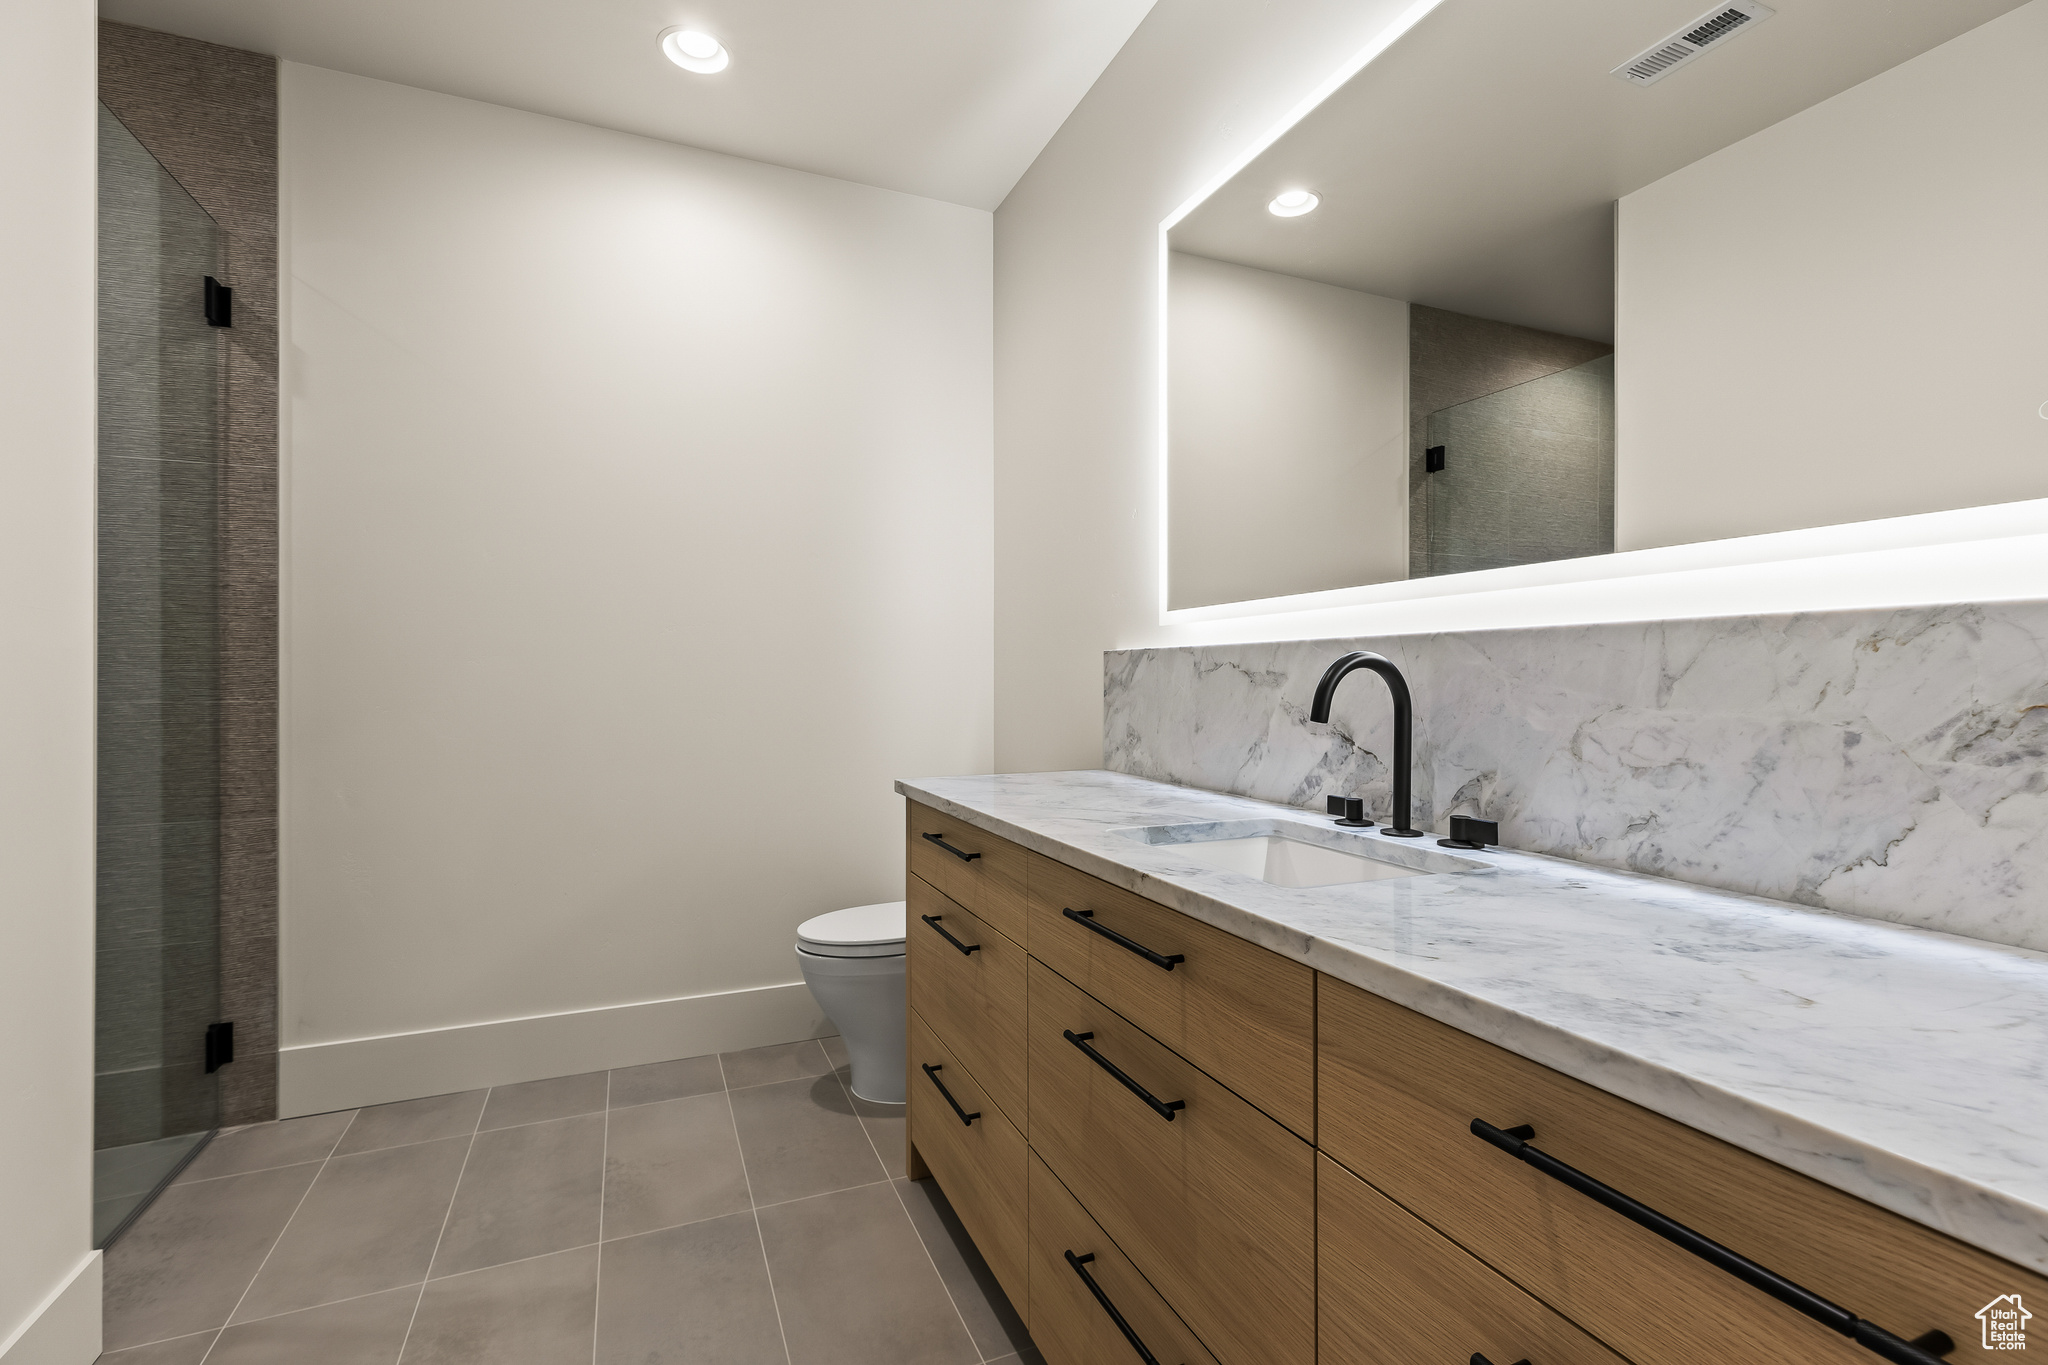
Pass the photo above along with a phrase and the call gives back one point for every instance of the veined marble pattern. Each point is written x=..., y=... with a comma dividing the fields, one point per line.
x=1885, y=764
x=1905, y=1067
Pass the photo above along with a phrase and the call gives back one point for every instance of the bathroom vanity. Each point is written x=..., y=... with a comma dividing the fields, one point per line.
x=1207, y=1079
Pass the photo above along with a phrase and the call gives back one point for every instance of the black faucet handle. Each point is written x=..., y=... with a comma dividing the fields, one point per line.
x=1467, y=832
x=1349, y=810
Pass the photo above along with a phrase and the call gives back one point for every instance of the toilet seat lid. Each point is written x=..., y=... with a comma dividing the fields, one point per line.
x=870, y=927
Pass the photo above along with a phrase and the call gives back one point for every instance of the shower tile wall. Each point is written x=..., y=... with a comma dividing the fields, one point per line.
x=1529, y=473
x=1453, y=358
x=209, y=114
x=1885, y=763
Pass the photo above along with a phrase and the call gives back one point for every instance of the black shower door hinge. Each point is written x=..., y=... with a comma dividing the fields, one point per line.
x=220, y=1046
x=220, y=304
x=1432, y=460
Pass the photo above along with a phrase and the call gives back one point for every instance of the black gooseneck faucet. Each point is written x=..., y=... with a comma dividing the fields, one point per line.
x=1404, y=726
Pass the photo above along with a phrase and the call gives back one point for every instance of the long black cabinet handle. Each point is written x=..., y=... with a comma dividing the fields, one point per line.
x=940, y=840
x=1086, y=919
x=1165, y=1111
x=931, y=1073
x=1080, y=1264
x=1926, y=1349
x=965, y=948
x=1478, y=1359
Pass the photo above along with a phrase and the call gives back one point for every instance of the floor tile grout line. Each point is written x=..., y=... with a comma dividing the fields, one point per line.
x=281, y=1166
x=517, y=1260
x=182, y=1336
x=440, y=1236
x=759, y=1236
x=846, y=1088
x=276, y=1241
x=821, y=1194
x=272, y=1317
x=604, y=1166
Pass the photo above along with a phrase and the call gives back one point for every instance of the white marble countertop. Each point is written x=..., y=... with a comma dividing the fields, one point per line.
x=1906, y=1067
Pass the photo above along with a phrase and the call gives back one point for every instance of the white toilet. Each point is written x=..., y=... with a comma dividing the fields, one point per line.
x=853, y=962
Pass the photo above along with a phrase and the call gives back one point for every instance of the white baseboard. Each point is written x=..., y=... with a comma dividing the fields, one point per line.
x=65, y=1330
x=319, y=1077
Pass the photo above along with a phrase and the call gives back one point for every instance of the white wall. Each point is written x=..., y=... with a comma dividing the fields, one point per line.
x=49, y=1276
x=1078, y=415
x=637, y=534
x=1845, y=316
x=1289, y=422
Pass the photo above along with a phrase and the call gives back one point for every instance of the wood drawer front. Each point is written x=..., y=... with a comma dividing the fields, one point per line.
x=1399, y=1092
x=1392, y=1288
x=991, y=884
x=982, y=1166
x=1243, y=1014
x=1068, y=1325
x=1216, y=1206
x=973, y=1001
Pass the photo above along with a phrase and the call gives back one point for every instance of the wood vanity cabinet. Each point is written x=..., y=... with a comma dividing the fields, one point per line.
x=978, y=1155
x=966, y=980
x=1069, y=1322
x=1244, y=1015
x=1272, y=1167
x=978, y=871
x=1398, y=1093
x=1212, y=1200
x=1392, y=1288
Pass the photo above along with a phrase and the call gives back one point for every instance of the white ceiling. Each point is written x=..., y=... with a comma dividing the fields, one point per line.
x=1474, y=165
x=951, y=99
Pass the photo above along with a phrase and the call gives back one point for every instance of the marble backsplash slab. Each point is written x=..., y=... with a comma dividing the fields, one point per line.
x=1884, y=764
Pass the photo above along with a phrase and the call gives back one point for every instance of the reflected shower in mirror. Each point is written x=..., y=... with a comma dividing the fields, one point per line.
x=1612, y=277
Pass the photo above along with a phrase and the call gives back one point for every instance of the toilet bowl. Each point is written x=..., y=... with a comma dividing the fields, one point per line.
x=853, y=962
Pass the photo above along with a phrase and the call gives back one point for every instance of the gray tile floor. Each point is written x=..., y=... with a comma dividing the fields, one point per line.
x=737, y=1209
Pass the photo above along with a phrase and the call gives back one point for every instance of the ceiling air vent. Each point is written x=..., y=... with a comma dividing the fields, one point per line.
x=1661, y=59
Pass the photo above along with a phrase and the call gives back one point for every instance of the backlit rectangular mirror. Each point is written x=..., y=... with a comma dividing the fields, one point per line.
x=1541, y=282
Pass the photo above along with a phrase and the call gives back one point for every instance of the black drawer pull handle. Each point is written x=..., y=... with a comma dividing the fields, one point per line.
x=1080, y=1264
x=1086, y=919
x=1923, y=1350
x=940, y=840
x=1165, y=1111
x=931, y=1073
x=965, y=948
x=1478, y=1359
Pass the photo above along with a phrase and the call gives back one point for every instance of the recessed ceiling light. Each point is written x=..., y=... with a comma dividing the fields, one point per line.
x=1292, y=204
x=695, y=51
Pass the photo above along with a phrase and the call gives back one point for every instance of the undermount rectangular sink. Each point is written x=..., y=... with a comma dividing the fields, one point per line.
x=1296, y=854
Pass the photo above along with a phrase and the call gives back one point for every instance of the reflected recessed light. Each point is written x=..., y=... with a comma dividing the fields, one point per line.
x=1292, y=204
x=695, y=51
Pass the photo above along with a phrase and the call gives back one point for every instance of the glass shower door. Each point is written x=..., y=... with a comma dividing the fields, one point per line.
x=1528, y=473
x=159, y=764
